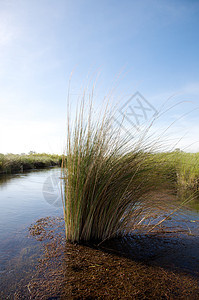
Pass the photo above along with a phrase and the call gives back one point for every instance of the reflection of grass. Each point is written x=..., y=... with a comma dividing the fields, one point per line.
x=12, y=163
x=107, y=178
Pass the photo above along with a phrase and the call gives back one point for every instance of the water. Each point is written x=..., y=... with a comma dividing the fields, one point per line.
x=24, y=198
x=27, y=197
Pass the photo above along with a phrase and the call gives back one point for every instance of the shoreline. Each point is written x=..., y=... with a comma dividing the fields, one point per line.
x=16, y=163
x=153, y=266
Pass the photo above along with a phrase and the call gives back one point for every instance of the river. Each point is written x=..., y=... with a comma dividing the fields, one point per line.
x=27, y=197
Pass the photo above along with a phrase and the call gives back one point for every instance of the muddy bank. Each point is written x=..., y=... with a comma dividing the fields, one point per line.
x=162, y=265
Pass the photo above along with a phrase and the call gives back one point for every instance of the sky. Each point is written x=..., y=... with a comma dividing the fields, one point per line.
x=130, y=46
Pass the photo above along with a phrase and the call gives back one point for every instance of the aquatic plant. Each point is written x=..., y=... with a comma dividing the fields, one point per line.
x=109, y=176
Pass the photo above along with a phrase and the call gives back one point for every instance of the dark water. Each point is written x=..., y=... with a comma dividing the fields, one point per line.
x=27, y=197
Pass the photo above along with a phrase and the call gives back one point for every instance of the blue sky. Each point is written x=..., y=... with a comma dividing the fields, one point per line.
x=153, y=45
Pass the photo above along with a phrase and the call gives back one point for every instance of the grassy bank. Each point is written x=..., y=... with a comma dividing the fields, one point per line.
x=188, y=173
x=183, y=169
x=13, y=163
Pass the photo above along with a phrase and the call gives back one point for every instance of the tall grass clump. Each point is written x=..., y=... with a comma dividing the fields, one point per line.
x=108, y=177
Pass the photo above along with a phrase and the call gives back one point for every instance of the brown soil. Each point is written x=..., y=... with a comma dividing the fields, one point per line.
x=73, y=271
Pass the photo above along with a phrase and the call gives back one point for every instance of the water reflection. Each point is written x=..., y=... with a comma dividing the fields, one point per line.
x=22, y=201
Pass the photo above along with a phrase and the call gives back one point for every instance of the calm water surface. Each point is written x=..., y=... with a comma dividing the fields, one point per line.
x=24, y=198
x=27, y=197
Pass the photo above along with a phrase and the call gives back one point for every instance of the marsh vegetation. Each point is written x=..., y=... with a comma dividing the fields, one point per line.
x=13, y=163
x=110, y=176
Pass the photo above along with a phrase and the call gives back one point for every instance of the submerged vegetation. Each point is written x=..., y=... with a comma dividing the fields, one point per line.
x=127, y=268
x=110, y=176
x=12, y=163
